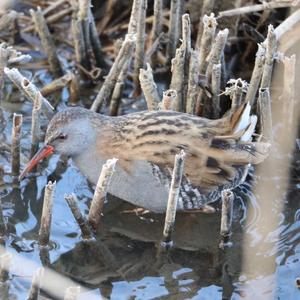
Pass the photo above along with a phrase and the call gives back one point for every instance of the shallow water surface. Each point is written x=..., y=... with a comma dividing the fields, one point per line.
x=263, y=261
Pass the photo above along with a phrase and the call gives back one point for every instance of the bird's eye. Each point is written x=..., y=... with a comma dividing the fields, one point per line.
x=62, y=136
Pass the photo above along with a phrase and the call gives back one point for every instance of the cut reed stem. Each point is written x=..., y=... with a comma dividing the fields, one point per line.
x=149, y=88
x=80, y=219
x=101, y=192
x=45, y=227
x=173, y=198
x=36, y=284
x=47, y=41
x=15, y=144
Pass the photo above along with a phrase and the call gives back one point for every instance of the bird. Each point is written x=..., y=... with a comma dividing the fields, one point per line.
x=218, y=152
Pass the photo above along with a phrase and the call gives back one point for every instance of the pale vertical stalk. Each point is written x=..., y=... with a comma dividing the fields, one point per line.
x=204, y=43
x=47, y=41
x=134, y=16
x=256, y=74
x=216, y=90
x=157, y=20
x=173, y=197
x=96, y=43
x=174, y=27
x=36, y=284
x=265, y=114
x=111, y=79
x=5, y=260
x=168, y=100
x=3, y=64
x=186, y=41
x=149, y=88
x=78, y=38
x=74, y=89
x=226, y=216
x=217, y=51
x=45, y=227
x=236, y=96
x=35, y=125
x=80, y=219
x=72, y=293
x=139, y=56
x=193, y=82
x=271, y=46
x=177, y=81
x=288, y=96
x=2, y=222
x=15, y=144
x=207, y=8
x=101, y=192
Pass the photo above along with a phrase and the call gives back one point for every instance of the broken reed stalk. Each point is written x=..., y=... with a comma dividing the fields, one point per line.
x=139, y=56
x=80, y=219
x=47, y=41
x=29, y=89
x=15, y=144
x=35, y=125
x=157, y=23
x=216, y=90
x=5, y=260
x=57, y=84
x=236, y=95
x=36, y=284
x=149, y=88
x=226, y=216
x=72, y=293
x=78, y=39
x=207, y=9
x=215, y=57
x=45, y=227
x=265, y=114
x=193, y=81
x=177, y=81
x=118, y=91
x=186, y=40
x=110, y=80
x=74, y=89
x=95, y=42
x=174, y=27
x=3, y=64
x=271, y=46
x=168, y=100
x=173, y=198
x=101, y=192
x=217, y=51
x=7, y=20
x=2, y=222
x=257, y=7
x=204, y=43
x=288, y=96
x=256, y=74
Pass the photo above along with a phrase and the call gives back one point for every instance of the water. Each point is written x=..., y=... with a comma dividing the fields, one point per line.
x=263, y=261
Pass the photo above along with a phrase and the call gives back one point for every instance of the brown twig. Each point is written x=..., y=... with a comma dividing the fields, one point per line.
x=15, y=144
x=80, y=219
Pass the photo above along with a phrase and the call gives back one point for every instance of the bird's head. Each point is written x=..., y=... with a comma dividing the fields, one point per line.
x=70, y=132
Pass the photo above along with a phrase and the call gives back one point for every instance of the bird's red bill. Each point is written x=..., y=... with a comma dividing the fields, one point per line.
x=39, y=156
